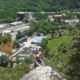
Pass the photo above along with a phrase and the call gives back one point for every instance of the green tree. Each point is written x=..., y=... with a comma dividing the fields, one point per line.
x=4, y=61
x=73, y=70
x=20, y=34
x=44, y=43
x=6, y=38
x=40, y=16
x=16, y=44
x=28, y=60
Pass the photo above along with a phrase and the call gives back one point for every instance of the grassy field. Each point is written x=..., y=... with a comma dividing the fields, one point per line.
x=55, y=43
x=59, y=60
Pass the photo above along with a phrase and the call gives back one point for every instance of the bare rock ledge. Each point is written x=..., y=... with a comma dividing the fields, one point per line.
x=42, y=73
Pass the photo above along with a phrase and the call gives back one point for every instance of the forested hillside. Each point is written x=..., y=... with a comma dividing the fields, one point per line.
x=8, y=8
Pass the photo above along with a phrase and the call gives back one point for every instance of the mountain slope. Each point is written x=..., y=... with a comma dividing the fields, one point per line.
x=8, y=8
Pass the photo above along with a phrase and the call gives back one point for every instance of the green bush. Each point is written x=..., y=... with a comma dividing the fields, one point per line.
x=28, y=60
x=4, y=61
x=14, y=73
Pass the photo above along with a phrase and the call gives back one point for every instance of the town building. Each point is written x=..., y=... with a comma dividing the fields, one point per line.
x=23, y=39
x=17, y=23
x=22, y=28
x=3, y=26
x=59, y=17
x=21, y=16
x=6, y=32
x=71, y=21
x=37, y=39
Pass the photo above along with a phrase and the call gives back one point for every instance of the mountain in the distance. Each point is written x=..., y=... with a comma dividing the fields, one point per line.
x=37, y=5
x=8, y=8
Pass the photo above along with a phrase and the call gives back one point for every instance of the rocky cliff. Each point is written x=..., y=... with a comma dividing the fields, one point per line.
x=42, y=73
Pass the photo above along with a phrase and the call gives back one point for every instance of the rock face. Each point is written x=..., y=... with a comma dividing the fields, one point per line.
x=42, y=73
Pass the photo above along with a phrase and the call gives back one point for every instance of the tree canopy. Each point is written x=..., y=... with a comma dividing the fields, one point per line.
x=9, y=8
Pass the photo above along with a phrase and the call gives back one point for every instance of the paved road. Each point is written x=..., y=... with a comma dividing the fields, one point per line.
x=26, y=44
x=17, y=52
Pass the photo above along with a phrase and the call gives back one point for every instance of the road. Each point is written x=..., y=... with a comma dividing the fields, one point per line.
x=26, y=44
x=17, y=52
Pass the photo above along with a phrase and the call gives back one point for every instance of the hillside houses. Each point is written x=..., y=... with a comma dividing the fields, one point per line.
x=62, y=18
x=58, y=17
x=37, y=39
x=71, y=21
x=21, y=16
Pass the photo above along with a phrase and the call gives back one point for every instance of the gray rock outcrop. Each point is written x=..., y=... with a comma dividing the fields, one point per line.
x=42, y=73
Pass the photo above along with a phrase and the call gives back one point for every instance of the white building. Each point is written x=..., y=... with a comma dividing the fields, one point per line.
x=57, y=17
x=2, y=26
x=22, y=28
x=38, y=39
x=3, y=53
x=71, y=21
x=16, y=23
x=50, y=17
x=6, y=32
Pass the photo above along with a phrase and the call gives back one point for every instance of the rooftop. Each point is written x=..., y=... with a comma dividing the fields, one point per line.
x=23, y=28
x=2, y=25
x=71, y=20
x=59, y=15
x=6, y=31
x=16, y=23
x=21, y=12
x=37, y=39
